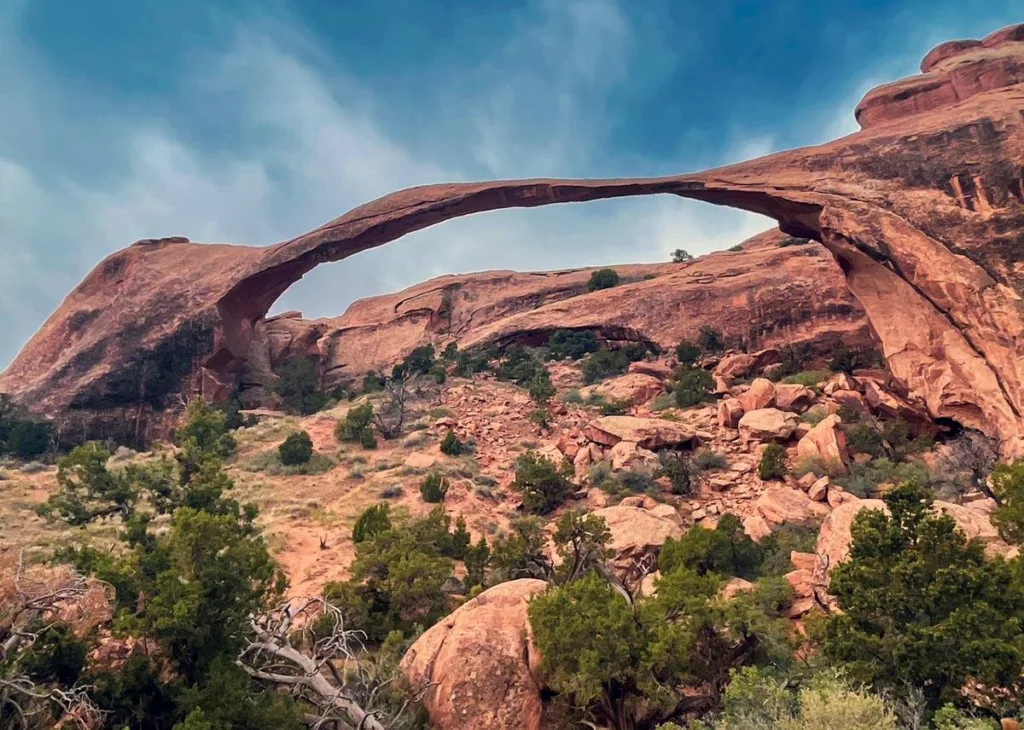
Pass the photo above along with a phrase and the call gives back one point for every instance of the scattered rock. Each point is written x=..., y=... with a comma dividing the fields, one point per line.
x=658, y=370
x=756, y=527
x=635, y=533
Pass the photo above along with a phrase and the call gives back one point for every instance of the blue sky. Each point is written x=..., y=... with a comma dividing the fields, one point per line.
x=251, y=122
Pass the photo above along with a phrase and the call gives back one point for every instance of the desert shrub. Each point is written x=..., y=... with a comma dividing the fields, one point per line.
x=865, y=439
x=663, y=402
x=603, y=279
x=519, y=365
x=356, y=422
x=679, y=256
x=793, y=360
x=373, y=383
x=604, y=364
x=367, y=438
x=710, y=339
x=921, y=605
x=707, y=460
x=725, y=551
x=814, y=416
x=520, y=552
x=540, y=417
x=773, y=462
x=571, y=344
x=609, y=407
x=296, y=449
x=694, y=387
x=637, y=351
x=573, y=396
x=845, y=360
x=808, y=378
x=677, y=467
x=602, y=476
x=373, y=520
x=543, y=484
x=30, y=439
x=206, y=427
x=269, y=462
x=434, y=488
x=776, y=548
x=688, y=352
x=864, y=479
x=540, y=388
x=637, y=481
x=477, y=558
x=450, y=445
x=468, y=364
x=1008, y=486
x=299, y=386
x=420, y=361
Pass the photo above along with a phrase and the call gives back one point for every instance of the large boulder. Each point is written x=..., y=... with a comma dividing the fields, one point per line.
x=730, y=411
x=636, y=534
x=626, y=454
x=793, y=397
x=650, y=433
x=659, y=370
x=478, y=661
x=767, y=424
x=825, y=442
x=760, y=394
x=783, y=506
x=635, y=388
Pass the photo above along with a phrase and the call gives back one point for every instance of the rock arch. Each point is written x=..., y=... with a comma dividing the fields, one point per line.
x=923, y=209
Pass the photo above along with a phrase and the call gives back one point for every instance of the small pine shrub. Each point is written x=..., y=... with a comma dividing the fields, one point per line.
x=773, y=462
x=296, y=449
x=694, y=387
x=676, y=466
x=571, y=344
x=372, y=521
x=573, y=396
x=450, y=444
x=604, y=364
x=367, y=438
x=603, y=279
x=706, y=460
x=710, y=339
x=688, y=352
x=663, y=401
x=356, y=421
x=808, y=378
x=434, y=488
x=543, y=484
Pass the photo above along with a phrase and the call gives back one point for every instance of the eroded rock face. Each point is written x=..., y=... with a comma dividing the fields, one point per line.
x=923, y=210
x=479, y=658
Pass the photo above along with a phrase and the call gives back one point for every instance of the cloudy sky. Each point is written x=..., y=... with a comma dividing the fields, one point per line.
x=252, y=122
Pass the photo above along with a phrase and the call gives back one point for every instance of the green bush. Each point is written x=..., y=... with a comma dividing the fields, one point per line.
x=296, y=449
x=29, y=439
x=434, y=488
x=367, y=438
x=688, y=352
x=707, y=460
x=725, y=551
x=540, y=417
x=864, y=479
x=573, y=396
x=845, y=360
x=603, y=279
x=663, y=402
x=694, y=387
x=677, y=467
x=373, y=383
x=540, y=389
x=679, y=256
x=808, y=378
x=776, y=548
x=865, y=439
x=604, y=364
x=372, y=521
x=773, y=462
x=710, y=339
x=299, y=386
x=544, y=485
x=637, y=481
x=468, y=364
x=519, y=365
x=420, y=361
x=356, y=424
x=571, y=344
x=450, y=444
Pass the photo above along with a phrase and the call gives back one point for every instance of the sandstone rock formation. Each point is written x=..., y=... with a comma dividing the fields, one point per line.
x=649, y=433
x=767, y=424
x=636, y=534
x=923, y=209
x=480, y=659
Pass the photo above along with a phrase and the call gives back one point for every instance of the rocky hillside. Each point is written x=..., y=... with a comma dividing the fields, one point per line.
x=923, y=210
x=772, y=290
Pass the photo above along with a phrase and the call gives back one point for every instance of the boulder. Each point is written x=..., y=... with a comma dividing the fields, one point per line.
x=650, y=433
x=735, y=586
x=756, y=527
x=783, y=505
x=767, y=424
x=851, y=399
x=479, y=661
x=634, y=388
x=635, y=533
x=825, y=442
x=737, y=365
x=627, y=453
x=818, y=492
x=834, y=537
x=802, y=583
x=803, y=561
x=658, y=370
x=730, y=411
x=760, y=394
x=792, y=397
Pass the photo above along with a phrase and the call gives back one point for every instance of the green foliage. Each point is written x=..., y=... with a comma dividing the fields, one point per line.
x=865, y=439
x=773, y=462
x=420, y=361
x=949, y=717
x=688, y=352
x=208, y=428
x=808, y=378
x=30, y=439
x=520, y=553
x=608, y=407
x=357, y=426
x=433, y=488
x=1008, y=486
x=477, y=558
x=582, y=542
x=296, y=449
x=793, y=360
x=707, y=460
x=845, y=360
x=519, y=365
x=299, y=386
x=57, y=656
x=88, y=491
x=864, y=479
x=693, y=387
x=540, y=417
x=373, y=383
x=468, y=364
x=450, y=444
x=776, y=548
x=725, y=551
x=923, y=607
x=540, y=388
x=543, y=485
x=372, y=521
x=637, y=481
x=679, y=256
x=710, y=339
x=571, y=344
x=677, y=467
x=604, y=364
x=603, y=279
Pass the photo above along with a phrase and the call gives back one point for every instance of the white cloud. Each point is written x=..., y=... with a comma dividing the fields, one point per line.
x=307, y=147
